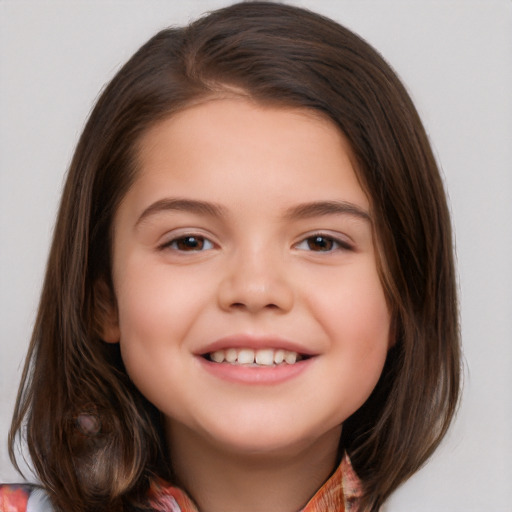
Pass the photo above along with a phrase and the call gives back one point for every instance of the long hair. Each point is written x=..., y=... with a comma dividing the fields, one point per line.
x=276, y=55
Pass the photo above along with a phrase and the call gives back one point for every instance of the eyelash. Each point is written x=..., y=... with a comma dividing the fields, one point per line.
x=199, y=240
x=333, y=243
x=197, y=243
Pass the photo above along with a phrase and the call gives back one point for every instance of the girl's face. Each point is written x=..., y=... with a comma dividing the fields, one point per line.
x=250, y=310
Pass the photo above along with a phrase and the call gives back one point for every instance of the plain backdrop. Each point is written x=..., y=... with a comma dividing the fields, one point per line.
x=455, y=57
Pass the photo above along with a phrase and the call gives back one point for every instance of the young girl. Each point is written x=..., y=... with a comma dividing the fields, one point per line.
x=250, y=298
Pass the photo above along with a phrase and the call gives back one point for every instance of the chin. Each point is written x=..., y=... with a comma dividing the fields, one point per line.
x=269, y=440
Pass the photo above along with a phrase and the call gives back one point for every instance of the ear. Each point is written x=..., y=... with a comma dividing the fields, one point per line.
x=106, y=318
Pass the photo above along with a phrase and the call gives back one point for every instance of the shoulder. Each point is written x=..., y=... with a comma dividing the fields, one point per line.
x=23, y=498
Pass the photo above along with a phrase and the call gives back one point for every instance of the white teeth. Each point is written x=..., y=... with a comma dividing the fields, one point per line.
x=261, y=357
x=265, y=357
x=231, y=355
x=218, y=356
x=279, y=356
x=290, y=357
x=246, y=356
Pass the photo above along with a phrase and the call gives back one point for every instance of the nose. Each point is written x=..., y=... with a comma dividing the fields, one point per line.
x=256, y=281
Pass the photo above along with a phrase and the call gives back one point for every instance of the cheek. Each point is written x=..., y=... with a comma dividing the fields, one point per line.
x=152, y=319
x=354, y=307
x=356, y=318
x=155, y=303
x=156, y=310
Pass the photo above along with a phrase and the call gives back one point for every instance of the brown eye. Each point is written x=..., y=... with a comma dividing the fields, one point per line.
x=320, y=243
x=323, y=243
x=190, y=243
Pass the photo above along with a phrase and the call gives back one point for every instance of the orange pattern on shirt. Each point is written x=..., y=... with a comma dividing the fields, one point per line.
x=13, y=498
x=340, y=493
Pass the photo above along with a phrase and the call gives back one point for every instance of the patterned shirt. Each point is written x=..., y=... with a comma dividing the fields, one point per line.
x=340, y=493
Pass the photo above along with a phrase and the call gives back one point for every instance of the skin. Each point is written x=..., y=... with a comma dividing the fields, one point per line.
x=253, y=268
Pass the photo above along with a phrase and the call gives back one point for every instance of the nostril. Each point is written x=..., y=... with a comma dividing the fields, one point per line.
x=252, y=293
x=241, y=305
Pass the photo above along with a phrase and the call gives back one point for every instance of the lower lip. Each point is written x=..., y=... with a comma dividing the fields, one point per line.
x=256, y=374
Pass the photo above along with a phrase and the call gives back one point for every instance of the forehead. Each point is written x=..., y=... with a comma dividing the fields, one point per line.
x=254, y=145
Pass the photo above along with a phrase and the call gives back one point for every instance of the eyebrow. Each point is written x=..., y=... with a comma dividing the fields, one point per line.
x=301, y=211
x=320, y=208
x=184, y=205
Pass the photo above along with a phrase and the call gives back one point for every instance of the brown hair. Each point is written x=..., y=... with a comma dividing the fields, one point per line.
x=279, y=55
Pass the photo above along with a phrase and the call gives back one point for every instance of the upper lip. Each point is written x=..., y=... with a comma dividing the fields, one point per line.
x=254, y=342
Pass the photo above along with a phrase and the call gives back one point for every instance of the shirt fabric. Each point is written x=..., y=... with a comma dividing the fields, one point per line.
x=340, y=493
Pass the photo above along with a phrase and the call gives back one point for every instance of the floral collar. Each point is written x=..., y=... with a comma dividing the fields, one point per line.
x=340, y=493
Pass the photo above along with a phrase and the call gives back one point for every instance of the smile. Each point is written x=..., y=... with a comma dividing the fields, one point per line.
x=258, y=357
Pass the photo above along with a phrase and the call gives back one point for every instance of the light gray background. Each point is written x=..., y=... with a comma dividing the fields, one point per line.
x=456, y=59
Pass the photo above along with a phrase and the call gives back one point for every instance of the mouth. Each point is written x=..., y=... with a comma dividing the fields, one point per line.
x=258, y=358
x=255, y=360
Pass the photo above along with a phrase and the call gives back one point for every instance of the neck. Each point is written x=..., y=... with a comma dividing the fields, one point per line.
x=220, y=480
